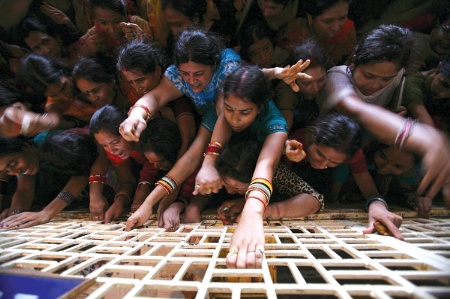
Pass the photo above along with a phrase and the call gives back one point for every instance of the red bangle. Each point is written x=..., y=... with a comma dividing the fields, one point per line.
x=259, y=199
x=143, y=107
x=97, y=178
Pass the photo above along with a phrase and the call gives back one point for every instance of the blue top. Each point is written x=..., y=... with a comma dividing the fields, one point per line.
x=269, y=121
x=207, y=97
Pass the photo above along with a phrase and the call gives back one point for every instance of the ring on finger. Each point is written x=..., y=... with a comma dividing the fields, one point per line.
x=233, y=250
x=251, y=251
x=209, y=191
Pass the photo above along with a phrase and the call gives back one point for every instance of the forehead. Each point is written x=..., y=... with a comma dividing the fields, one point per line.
x=193, y=67
x=239, y=103
x=398, y=156
x=380, y=69
x=337, y=10
x=106, y=14
x=105, y=137
x=35, y=37
x=259, y=44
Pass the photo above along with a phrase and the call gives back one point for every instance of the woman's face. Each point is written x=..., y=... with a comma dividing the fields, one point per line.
x=312, y=88
x=109, y=21
x=239, y=113
x=261, y=52
x=234, y=186
x=197, y=75
x=440, y=39
x=43, y=44
x=370, y=78
x=99, y=94
x=331, y=21
x=25, y=162
x=62, y=90
x=270, y=8
x=393, y=161
x=114, y=144
x=322, y=157
x=157, y=161
x=440, y=86
x=141, y=82
x=176, y=21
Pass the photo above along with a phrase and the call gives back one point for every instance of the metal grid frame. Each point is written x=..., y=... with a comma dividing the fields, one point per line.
x=312, y=257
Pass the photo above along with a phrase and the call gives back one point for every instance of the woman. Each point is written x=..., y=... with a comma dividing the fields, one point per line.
x=257, y=46
x=201, y=64
x=113, y=28
x=376, y=67
x=142, y=65
x=124, y=157
x=371, y=78
x=245, y=93
x=294, y=197
x=49, y=77
x=300, y=108
x=95, y=79
x=72, y=152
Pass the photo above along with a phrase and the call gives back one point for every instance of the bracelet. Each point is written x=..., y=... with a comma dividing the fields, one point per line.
x=144, y=183
x=259, y=199
x=124, y=193
x=263, y=181
x=369, y=202
x=26, y=122
x=97, y=178
x=143, y=107
x=66, y=196
x=266, y=196
x=404, y=132
x=168, y=183
x=214, y=148
x=15, y=212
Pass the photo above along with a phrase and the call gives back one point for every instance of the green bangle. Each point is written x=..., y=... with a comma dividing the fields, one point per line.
x=369, y=202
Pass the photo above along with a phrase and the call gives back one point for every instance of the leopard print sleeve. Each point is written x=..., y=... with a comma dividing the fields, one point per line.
x=289, y=184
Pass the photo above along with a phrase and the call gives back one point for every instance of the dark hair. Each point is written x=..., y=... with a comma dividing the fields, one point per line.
x=40, y=72
x=198, y=46
x=119, y=6
x=317, y=7
x=94, y=69
x=193, y=9
x=239, y=157
x=107, y=118
x=247, y=82
x=71, y=152
x=339, y=132
x=312, y=50
x=13, y=145
x=29, y=24
x=384, y=43
x=250, y=33
x=373, y=147
x=142, y=56
x=9, y=96
x=162, y=137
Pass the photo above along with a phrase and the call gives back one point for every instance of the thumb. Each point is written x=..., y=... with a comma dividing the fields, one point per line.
x=369, y=230
x=130, y=224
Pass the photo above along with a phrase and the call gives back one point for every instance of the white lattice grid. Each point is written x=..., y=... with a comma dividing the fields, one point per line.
x=304, y=259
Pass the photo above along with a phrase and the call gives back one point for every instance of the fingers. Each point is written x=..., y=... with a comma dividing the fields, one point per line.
x=131, y=129
x=130, y=224
x=249, y=258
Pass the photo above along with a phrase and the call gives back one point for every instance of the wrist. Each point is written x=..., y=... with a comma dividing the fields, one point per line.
x=377, y=201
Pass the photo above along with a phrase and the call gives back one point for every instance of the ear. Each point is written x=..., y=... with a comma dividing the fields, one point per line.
x=158, y=70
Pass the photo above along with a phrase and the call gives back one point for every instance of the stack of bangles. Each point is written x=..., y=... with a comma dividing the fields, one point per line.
x=263, y=186
x=214, y=148
x=404, y=132
x=168, y=183
x=148, y=116
x=97, y=178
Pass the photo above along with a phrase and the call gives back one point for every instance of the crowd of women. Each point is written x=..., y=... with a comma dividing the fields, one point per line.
x=260, y=109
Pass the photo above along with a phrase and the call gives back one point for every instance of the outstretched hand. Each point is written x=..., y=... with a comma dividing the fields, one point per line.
x=290, y=74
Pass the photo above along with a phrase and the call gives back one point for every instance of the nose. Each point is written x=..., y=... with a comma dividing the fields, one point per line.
x=315, y=87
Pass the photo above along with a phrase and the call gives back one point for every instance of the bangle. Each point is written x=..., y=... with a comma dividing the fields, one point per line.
x=15, y=212
x=124, y=193
x=404, y=132
x=142, y=107
x=370, y=201
x=214, y=148
x=258, y=199
x=66, y=196
x=97, y=178
x=144, y=183
x=168, y=183
x=263, y=181
x=26, y=122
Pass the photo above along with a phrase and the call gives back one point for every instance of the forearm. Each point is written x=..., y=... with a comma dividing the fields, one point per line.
x=71, y=190
x=366, y=185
